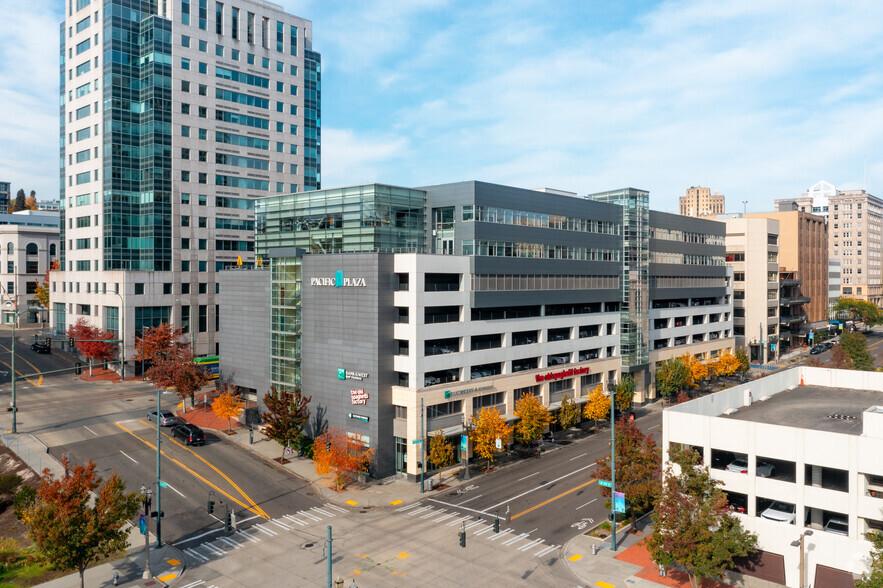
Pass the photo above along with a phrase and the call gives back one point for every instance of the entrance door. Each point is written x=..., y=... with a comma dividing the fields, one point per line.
x=401, y=456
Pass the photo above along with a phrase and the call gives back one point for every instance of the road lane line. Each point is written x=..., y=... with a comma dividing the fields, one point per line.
x=544, y=503
x=526, y=477
x=175, y=489
x=543, y=485
x=35, y=368
x=586, y=504
x=653, y=427
x=547, y=550
x=481, y=512
x=578, y=456
x=127, y=455
x=470, y=500
x=251, y=518
x=189, y=539
x=90, y=430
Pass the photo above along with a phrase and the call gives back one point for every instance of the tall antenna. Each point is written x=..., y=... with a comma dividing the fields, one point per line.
x=744, y=207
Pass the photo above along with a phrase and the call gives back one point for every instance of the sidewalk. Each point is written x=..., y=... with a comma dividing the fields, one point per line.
x=166, y=565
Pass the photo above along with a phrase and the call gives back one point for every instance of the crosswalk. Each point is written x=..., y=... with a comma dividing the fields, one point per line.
x=478, y=527
x=219, y=546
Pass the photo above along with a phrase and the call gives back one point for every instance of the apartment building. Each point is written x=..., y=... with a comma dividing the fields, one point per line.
x=5, y=195
x=811, y=438
x=163, y=156
x=28, y=246
x=752, y=250
x=700, y=202
x=407, y=310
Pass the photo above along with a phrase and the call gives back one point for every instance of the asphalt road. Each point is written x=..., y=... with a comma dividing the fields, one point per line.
x=549, y=499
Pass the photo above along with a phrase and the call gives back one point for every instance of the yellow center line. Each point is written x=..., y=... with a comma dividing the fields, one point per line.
x=533, y=508
x=187, y=469
x=36, y=369
x=222, y=474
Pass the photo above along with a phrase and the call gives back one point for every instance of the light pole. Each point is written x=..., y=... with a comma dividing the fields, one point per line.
x=799, y=543
x=147, y=493
x=611, y=389
x=467, y=427
x=122, y=336
x=158, y=477
x=16, y=314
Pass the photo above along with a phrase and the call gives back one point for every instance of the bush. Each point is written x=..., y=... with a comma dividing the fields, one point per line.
x=683, y=396
x=24, y=498
x=305, y=446
x=8, y=483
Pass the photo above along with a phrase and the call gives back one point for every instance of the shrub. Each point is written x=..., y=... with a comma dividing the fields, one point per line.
x=8, y=483
x=24, y=498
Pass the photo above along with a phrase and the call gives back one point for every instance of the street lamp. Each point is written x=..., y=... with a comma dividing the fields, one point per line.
x=147, y=493
x=611, y=390
x=800, y=543
x=16, y=313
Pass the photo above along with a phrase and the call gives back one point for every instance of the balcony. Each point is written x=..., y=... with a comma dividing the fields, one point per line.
x=793, y=318
x=791, y=282
x=793, y=301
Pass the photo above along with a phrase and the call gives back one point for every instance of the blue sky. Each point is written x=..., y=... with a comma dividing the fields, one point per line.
x=755, y=99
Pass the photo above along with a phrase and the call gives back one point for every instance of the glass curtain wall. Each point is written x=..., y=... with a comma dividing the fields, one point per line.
x=285, y=322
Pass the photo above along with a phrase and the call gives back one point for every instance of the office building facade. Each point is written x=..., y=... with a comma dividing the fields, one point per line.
x=699, y=202
x=5, y=195
x=175, y=117
x=404, y=311
x=28, y=246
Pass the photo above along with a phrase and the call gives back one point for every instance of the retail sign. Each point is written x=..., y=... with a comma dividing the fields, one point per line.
x=464, y=442
x=359, y=396
x=450, y=393
x=339, y=281
x=619, y=502
x=562, y=374
x=343, y=374
x=359, y=417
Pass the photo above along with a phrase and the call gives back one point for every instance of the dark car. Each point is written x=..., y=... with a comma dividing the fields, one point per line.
x=191, y=434
x=816, y=350
x=829, y=344
x=41, y=347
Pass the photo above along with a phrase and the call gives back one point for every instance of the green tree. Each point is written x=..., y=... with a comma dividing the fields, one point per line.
x=859, y=311
x=441, y=452
x=287, y=415
x=19, y=202
x=638, y=466
x=671, y=377
x=534, y=418
x=568, y=413
x=744, y=361
x=873, y=577
x=71, y=529
x=691, y=520
x=855, y=346
x=625, y=392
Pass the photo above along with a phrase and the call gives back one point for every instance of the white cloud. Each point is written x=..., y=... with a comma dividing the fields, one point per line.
x=350, y=158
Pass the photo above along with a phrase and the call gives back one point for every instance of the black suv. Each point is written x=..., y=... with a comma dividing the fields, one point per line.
x=191, y=434
x=40, y=347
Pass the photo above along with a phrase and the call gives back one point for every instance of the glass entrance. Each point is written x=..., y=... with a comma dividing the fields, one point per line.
x=401, y=456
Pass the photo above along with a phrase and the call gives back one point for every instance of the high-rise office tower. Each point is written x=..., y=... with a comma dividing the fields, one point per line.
x=700, y=202
x=175, y=116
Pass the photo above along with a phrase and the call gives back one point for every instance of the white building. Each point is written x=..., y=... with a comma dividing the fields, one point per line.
x=158, y=182
x=28, y=246
x=821, y=430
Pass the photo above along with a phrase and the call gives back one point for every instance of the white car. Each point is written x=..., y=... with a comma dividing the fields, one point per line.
x=781, y=512
x=837, y=526
x=740, y=466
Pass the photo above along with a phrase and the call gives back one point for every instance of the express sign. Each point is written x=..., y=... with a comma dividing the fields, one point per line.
x=562, y=374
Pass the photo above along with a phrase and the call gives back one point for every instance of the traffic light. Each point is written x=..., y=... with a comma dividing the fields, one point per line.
x=462, y=538
x=228, y=522
x=210, y=506
x=49, y=341
x=72, y=342
x=328, y=446
x=497, y=525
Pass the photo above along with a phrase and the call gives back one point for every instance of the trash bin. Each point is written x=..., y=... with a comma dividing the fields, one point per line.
x=78, y=369
x=429, y=484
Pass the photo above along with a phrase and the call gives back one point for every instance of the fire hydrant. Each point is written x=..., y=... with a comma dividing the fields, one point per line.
x=594, y=549
x=116, y=578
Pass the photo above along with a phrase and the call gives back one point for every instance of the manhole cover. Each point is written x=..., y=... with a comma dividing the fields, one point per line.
x=362, y=511
x=128, y=400
x=309, y=493
x=307, y=545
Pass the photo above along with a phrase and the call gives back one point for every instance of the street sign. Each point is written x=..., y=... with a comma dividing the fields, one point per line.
x=499, y=443
x=605, y=483
x=163, y=484
x=464, y=442
x=619, y=502
x=416, y=441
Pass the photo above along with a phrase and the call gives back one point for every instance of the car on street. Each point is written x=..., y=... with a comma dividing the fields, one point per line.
x=166, y=418
x=190, y=434
x=829, y=344
x=837, y=526
x=40, y=347
x=816, y=350
x=781, y=512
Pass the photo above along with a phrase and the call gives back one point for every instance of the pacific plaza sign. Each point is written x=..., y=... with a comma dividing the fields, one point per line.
x=339, y=281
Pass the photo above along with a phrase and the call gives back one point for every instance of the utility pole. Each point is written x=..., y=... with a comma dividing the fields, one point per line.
x=328, y=558
x=422, y=447
x=158, y=473
x=611, y=387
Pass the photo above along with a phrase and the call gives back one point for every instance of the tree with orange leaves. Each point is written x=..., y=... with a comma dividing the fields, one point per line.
x=696, y=370
x=42, y=293
x=597, y=404
x=341, y=455
x=227, y=407
x=727, y=363
x=489, y=426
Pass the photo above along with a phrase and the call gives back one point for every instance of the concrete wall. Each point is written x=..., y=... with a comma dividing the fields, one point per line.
x=245, y=322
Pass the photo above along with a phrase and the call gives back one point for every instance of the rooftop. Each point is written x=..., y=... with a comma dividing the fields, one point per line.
x=820, y=408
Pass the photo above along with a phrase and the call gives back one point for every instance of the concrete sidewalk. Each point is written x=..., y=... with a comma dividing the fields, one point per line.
x=166, y=566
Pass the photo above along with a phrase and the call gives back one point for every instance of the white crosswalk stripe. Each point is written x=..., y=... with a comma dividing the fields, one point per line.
x=294, y=520
x=249, y=537
x=515, y=539
x=483, y=531
x=304, y=513
x=498, y=535
x=193, y=584
x=444, y=518
x=470, y=525
x=530, y=545
x=335, y=507
x=419, y=510
x=229, y=541
x=213, y=548
x=262, y=529
x=280, y=524
x=458, y=521
x=323, y=512
x=409, y=507
x=195, y=554
x=433, y=513
x=547, y=550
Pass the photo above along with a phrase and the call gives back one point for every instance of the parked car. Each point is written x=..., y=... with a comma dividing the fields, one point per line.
x=781, y=512
x=41, y=347
x=765, y=470
x=166, y=418
x=738, y=502
x=720, y=459
x=740, y=466
x=816, y=350
x=191, y=434
x=837, y=526
x=829, y=344
x=431, y=381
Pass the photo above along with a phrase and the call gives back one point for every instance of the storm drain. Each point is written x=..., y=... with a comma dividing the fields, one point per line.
x=307, y=545
x=843, y=417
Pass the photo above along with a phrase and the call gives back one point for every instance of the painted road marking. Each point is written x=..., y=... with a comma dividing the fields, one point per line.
x=485, y=530
x=578, y=456
x=472, y=524
x=323, y=512
x=471, y=499
x=249, y=537
x=194, y=584
x=544, y=503
x=280, y=524
x=419, y=510
x=167, y=577
x=653, y=427
x=294, y=520
x=261, y=528
x=600, y=584
x=90, y=430
x=543, y=485
x=586, y=504
x=575, y=557
x=124, y=453
x=444, y=518
x=229, y=541
x=188, y=540
x=547, y=550
x=460, y=520
x=404, y=508
x=530, y=476
x=530, y=545
x=338, y=509
x=481, y=512
x=213, y=548
x=308, y=515
x=175, y=489
x=174, y=562
x=396, y=502
x=402, y=555
x=432, y=513
x=498, y=535
x=515, y=539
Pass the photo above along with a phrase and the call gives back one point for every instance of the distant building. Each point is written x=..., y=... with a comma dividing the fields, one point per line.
x=700, y=202
x=49, y=205
x=5, y=194
x=833, y=283
x=28, y=246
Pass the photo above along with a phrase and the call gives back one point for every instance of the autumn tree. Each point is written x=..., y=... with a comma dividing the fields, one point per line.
x=873, y=577
x=671, y=377
x=71, y=529
x=19, y=202
x=859, y=311
x=42, y=292
x=287, y=415
x=160, y=342
x=535, y=417
x=227, y=407
x=567, y=414
x=441, y=451
x=696, y=370
x=31, y=201
x=855, y=347
x=625, y=392
x=597, y=405
x=92, y=342
x=692, y=523
x=340, y=455
x=744, y=361
x=180, y=373
x=638, y=467
x=727, y=363
x=489, y=426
